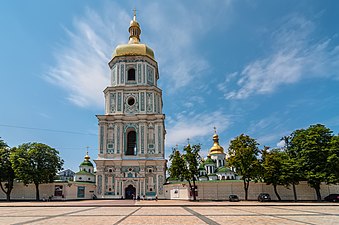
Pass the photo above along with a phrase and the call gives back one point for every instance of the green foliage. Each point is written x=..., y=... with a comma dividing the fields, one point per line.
x=178, y=165
x=243, y=152
x=6, y=171
x=36, y=163
x=274, y=164
x=316, y=151
x=186, y=166
x=293, y=172
x=192, y=159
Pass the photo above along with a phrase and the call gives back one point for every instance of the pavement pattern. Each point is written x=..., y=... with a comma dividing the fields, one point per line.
x=166, y=212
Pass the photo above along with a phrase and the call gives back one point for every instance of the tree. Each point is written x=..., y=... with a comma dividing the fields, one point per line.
x=243, y=152
x=6, y=171
x=292, y=166
x=178, y=165
x=274, y=171
x=185, y=166
x=316, y=148
x=333, y=159
x=36, y=163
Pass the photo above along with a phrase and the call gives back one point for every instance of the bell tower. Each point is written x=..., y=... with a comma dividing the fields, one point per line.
x=131, y=155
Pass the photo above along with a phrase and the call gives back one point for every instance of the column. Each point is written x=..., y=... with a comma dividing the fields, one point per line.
x=122, y=191
x=157, y=183
x=116, y=187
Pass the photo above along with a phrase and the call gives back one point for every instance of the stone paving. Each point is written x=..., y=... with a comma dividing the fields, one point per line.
x=166, y=212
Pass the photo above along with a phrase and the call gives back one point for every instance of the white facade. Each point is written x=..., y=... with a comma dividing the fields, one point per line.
x=131, y=158
x=86, y=171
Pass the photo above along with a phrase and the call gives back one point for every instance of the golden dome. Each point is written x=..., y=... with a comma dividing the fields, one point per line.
x=133, y=47
x=87, y=158
x=216, y=148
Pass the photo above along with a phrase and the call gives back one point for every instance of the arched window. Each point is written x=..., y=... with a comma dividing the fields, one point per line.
x=131, y=142
x=131, y=75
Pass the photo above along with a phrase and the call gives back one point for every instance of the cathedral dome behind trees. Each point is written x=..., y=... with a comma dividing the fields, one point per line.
x=214, y=167
x=216, y=148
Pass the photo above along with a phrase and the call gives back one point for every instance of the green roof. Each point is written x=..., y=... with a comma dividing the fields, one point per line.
x=223, y=170
x=86, y=163
x=83, y=173
x=209, y=161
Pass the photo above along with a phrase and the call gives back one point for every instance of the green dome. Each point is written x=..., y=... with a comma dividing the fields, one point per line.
x=86, y=163
x=209, y=161
x=223, y=170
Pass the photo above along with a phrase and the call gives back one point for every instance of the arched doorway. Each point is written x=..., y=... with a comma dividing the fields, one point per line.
x=130, y=192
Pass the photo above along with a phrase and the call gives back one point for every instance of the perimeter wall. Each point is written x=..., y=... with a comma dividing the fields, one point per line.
x=221, y=191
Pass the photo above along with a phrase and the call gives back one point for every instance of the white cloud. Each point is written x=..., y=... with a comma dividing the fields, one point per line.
x=294, y=57
x=191, y=125
x=174, y=39
x=81, y=61
x=281, y=144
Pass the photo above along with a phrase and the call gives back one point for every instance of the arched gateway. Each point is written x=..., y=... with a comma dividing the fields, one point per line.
x=130, y=192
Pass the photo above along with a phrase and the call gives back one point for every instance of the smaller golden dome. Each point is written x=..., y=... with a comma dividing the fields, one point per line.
x=134, y=23
x=87, y=158
x=216, y=148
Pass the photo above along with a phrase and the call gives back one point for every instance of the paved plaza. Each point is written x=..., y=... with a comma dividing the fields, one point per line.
x=166, y=212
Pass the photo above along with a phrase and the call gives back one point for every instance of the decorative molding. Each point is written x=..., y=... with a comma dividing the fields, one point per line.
x=112, y=102
x=139, y=73
x=99, y=184
x=131, y=108
x=101, y=139
x=118, y=139
x=159, y=139
x=122, y=73
x=119, y=101
x=114, y=75
x=150, y=75
x=142, y=102
x=142, y=140
x=149, y=101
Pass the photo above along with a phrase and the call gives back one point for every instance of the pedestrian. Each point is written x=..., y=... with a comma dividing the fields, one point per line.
x=156, y=197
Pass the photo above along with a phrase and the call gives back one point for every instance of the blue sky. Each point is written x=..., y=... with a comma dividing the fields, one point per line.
x=264, y=68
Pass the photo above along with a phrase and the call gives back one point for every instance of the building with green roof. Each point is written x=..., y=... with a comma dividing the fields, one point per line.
x=86, y=171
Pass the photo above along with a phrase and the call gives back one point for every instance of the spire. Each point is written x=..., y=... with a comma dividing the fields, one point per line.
x=134, y=30
x=87, y=158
